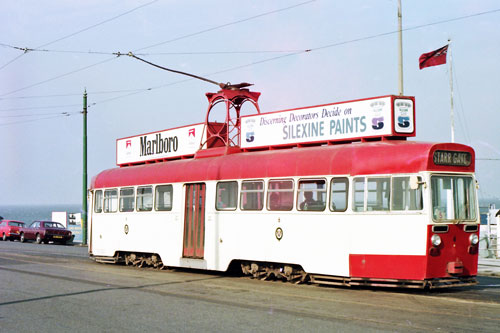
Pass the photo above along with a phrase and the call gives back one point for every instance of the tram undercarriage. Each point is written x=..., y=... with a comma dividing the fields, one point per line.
x=294, y=273
x=137, y=259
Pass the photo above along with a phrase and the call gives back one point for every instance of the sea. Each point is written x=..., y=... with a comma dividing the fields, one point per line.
x=29, y=213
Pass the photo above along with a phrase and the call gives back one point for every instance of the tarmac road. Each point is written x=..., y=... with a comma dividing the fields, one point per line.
x=57, y=288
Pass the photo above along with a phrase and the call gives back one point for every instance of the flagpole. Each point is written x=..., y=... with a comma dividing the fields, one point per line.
x=400, y=48
x=451, y=94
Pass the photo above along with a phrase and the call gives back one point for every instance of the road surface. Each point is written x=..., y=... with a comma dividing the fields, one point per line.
x=53, y=288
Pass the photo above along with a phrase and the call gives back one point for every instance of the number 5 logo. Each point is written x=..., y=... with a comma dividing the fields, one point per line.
x=378, y=123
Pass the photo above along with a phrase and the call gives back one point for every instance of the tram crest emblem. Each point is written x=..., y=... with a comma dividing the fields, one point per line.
x=278, y=233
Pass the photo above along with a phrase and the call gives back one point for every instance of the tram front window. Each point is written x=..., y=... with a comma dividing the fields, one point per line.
x=453, y=198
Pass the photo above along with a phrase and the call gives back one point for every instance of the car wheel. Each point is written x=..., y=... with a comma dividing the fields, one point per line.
x=38, y=239
x=4, y=237
x=21, y=238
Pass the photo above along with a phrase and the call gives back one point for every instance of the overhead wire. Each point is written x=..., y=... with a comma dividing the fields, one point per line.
x=225, y=25
x=316, y=49
x=33, y=120
x=73, y=94
x=161, y=43
x=294, y=52
x=80, y=31
x=149, y=53
x=34, y=115
x=137, y=91
x=39, y=107
x=57, y=77
x=100, y=23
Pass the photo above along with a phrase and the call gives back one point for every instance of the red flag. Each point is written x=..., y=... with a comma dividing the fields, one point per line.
x=434, y=58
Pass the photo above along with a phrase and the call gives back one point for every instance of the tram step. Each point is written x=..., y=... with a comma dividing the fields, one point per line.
x=105, y=260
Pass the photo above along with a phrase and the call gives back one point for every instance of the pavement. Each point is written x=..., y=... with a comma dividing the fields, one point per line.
x=489, y=266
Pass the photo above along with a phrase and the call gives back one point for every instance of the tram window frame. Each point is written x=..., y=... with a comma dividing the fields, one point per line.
x=142, y=196
x=168, y=195
x=252, y=197
x=110, y=203
x=358, y=192
x=411, y=200
x=453, y=197
x=381, y=202
x=126, y=202
x=280, y=192
x=315, y=204
x=98, y=197
x=333, y=194
x=226, y=197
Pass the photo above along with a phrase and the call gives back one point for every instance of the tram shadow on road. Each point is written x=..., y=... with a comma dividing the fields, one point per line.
x=484, y=283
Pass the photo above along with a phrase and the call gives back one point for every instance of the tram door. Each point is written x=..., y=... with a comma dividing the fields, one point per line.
x=194, y=221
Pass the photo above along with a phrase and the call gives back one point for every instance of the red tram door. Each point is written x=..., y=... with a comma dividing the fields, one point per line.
x=194, y=221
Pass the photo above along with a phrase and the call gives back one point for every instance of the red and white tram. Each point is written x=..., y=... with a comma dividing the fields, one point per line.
x=365, y=210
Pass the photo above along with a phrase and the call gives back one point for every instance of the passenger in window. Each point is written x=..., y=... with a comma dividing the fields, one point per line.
x=220, y=202
x=308, y=202
x=274, y=203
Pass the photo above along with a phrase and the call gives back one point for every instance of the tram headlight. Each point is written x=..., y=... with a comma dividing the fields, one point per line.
x=474, y=239
x=436, y=240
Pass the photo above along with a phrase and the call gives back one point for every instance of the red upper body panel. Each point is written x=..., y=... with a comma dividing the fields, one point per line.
x=362, y=158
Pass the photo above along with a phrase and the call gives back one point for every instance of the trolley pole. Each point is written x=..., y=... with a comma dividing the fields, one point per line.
x=84, y=183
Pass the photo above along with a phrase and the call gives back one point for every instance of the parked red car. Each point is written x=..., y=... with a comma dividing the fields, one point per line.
x=10, y=229
x=45, y=231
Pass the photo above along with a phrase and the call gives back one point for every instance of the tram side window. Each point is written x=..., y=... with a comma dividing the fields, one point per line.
x=110, y=201
x=280, y=195
x=403, y=197
x=163, y=197
x=144, y=198
x=379, y=191
x=252, y=195
x=127, y=199
x=374, y=196
x=339, y=194
x=227, y=195
x=359, y=194
x=311, y=195
x=98, y=201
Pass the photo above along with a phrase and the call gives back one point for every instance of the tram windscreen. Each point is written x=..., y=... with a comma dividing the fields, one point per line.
x=453, y=198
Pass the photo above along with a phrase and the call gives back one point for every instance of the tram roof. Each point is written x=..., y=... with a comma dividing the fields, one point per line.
x=362, y=158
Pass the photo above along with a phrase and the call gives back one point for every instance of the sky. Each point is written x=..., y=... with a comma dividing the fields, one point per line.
x=52, y=51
